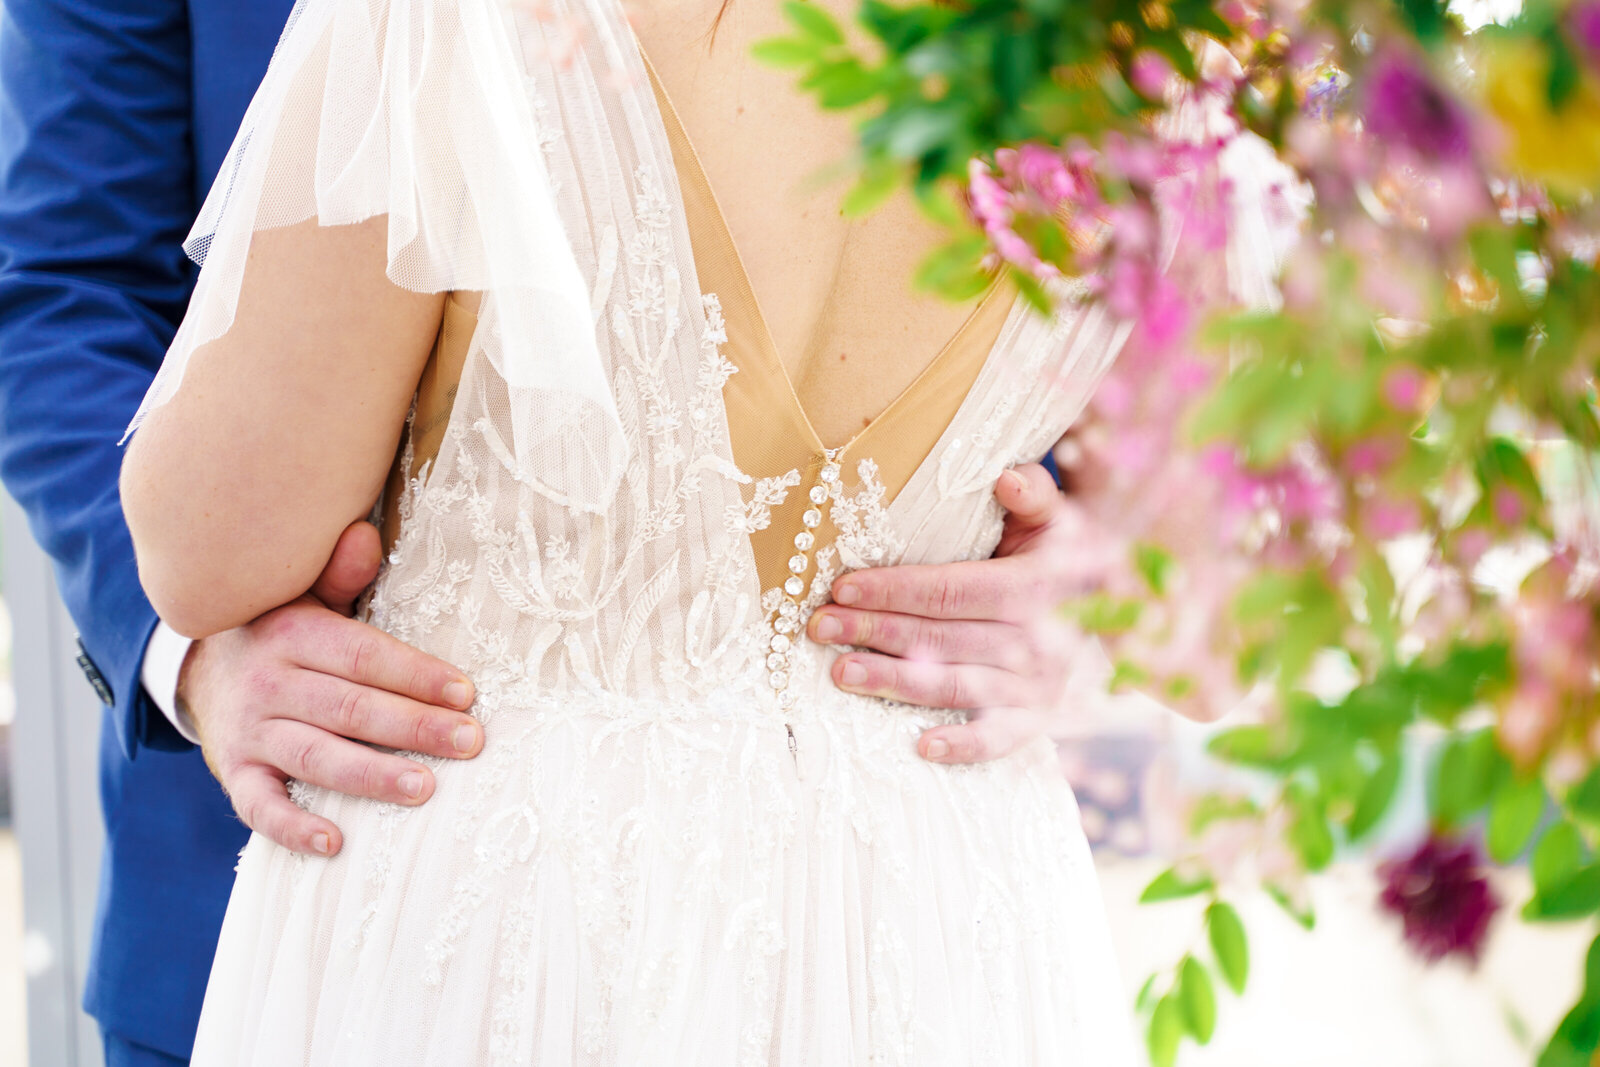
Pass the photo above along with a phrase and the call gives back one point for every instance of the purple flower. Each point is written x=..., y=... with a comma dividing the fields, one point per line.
x=1405, y=107
x=1442, y=898
x=1325, y=95
x=1584, y=22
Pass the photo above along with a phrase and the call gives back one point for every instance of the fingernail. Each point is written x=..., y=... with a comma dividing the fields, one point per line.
x=464, y=737
x=411, y=784
x=852, y=673
x=828, y=628
x=320, y=844
x=1017, y=481
x=846, y=594
x=938, y=748
x=458, y=694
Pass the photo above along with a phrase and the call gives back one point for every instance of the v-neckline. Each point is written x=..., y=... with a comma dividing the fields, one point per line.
x=766, y=347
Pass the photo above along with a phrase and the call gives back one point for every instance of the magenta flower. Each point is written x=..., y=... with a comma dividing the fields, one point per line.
x=1583, y=20
x=1442, y=898
x=1406, y=108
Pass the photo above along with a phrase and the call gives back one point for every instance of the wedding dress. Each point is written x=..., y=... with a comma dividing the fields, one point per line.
x=681, y=845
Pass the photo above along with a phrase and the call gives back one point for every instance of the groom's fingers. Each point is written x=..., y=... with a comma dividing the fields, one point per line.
x=366, y=656
x=380, y=717
x=316, y=757
x=351, y=568
x=262, y=801
x=989, y=734
x=933, y=685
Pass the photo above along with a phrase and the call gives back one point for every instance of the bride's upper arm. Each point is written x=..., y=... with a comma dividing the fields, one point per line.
x=282, y=431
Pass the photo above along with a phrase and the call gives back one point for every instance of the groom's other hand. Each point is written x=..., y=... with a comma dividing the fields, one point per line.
x=985, y=635
x=292, y=694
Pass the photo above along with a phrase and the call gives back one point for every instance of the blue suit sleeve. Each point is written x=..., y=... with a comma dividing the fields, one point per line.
x=96, y=194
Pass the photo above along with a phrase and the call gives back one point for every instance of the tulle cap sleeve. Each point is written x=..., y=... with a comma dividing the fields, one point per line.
x=419, y=110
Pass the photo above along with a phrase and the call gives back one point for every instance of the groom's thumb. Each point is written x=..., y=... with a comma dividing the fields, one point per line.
x=351, y=568
x=1030, y=497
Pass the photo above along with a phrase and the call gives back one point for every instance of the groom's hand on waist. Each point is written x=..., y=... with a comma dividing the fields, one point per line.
x=290, y=695
x=985, y=635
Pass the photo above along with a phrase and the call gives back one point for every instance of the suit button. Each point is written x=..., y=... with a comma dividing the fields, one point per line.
x=96, y=679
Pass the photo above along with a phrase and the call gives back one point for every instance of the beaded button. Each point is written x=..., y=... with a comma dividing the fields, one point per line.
x=786, y=619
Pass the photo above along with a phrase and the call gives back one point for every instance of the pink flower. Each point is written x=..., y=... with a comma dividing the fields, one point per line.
x=1388, y=517
x=1442, y=898
x=1402, y=387
x=1507, y=505
x=1045, y=172
x=1150, y=73
x=1370, y=457
x=1527, y=720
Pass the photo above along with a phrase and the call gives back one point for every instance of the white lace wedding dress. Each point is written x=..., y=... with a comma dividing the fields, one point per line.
x=682, y=845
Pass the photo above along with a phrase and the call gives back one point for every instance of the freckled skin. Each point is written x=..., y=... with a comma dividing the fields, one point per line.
x=826, y=284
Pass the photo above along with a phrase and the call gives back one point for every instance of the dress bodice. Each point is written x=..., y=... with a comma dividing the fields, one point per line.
x=733, y=517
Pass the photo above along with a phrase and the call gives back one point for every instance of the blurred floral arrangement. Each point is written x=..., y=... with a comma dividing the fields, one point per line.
x=1345, y=464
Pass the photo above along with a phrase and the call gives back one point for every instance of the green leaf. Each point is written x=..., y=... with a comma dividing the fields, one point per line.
x=1584, y=798
x=814, y=21
x=921, y=130
x=1199, y=999
x=1427, y=17
x=1308, y=827
x=1305, y=916
x=1465, y=775
x=1250, y=746
x=1574, y=897
x=1591, y=970
x=1514, y=813
x=1576, y=1038
x=1229, y=944
x=1557, y=856
x=1170, y=885
x=1166, y=1030
x=1142, y=1001
x=1565, y=72
x=842, y=84
x=786, y=52
x=954, y=265
x=1376, y=796
x=874, y=186
x=1155, y=566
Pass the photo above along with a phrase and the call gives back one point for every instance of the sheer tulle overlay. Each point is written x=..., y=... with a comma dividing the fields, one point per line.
x=659, y=858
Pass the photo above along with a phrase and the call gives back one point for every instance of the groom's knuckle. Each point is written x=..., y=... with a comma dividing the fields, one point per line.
x=367, y=778
x=359, y=655
x=247, y=805
x=284, y=627
x=261, y=684
x=427, y=734
x=354, y=713
x=305, y=759
x=937, y=641
x=951, y=692
x=946, y=595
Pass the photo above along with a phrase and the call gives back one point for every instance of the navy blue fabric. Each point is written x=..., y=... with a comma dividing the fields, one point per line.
x=1049, y=463
x=114, y=118
x=121, y=1052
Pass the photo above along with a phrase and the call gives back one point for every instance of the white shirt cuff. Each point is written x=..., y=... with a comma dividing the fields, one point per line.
x=163, y=659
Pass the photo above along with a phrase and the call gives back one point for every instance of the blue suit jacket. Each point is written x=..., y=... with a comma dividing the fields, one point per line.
x=114, y=117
